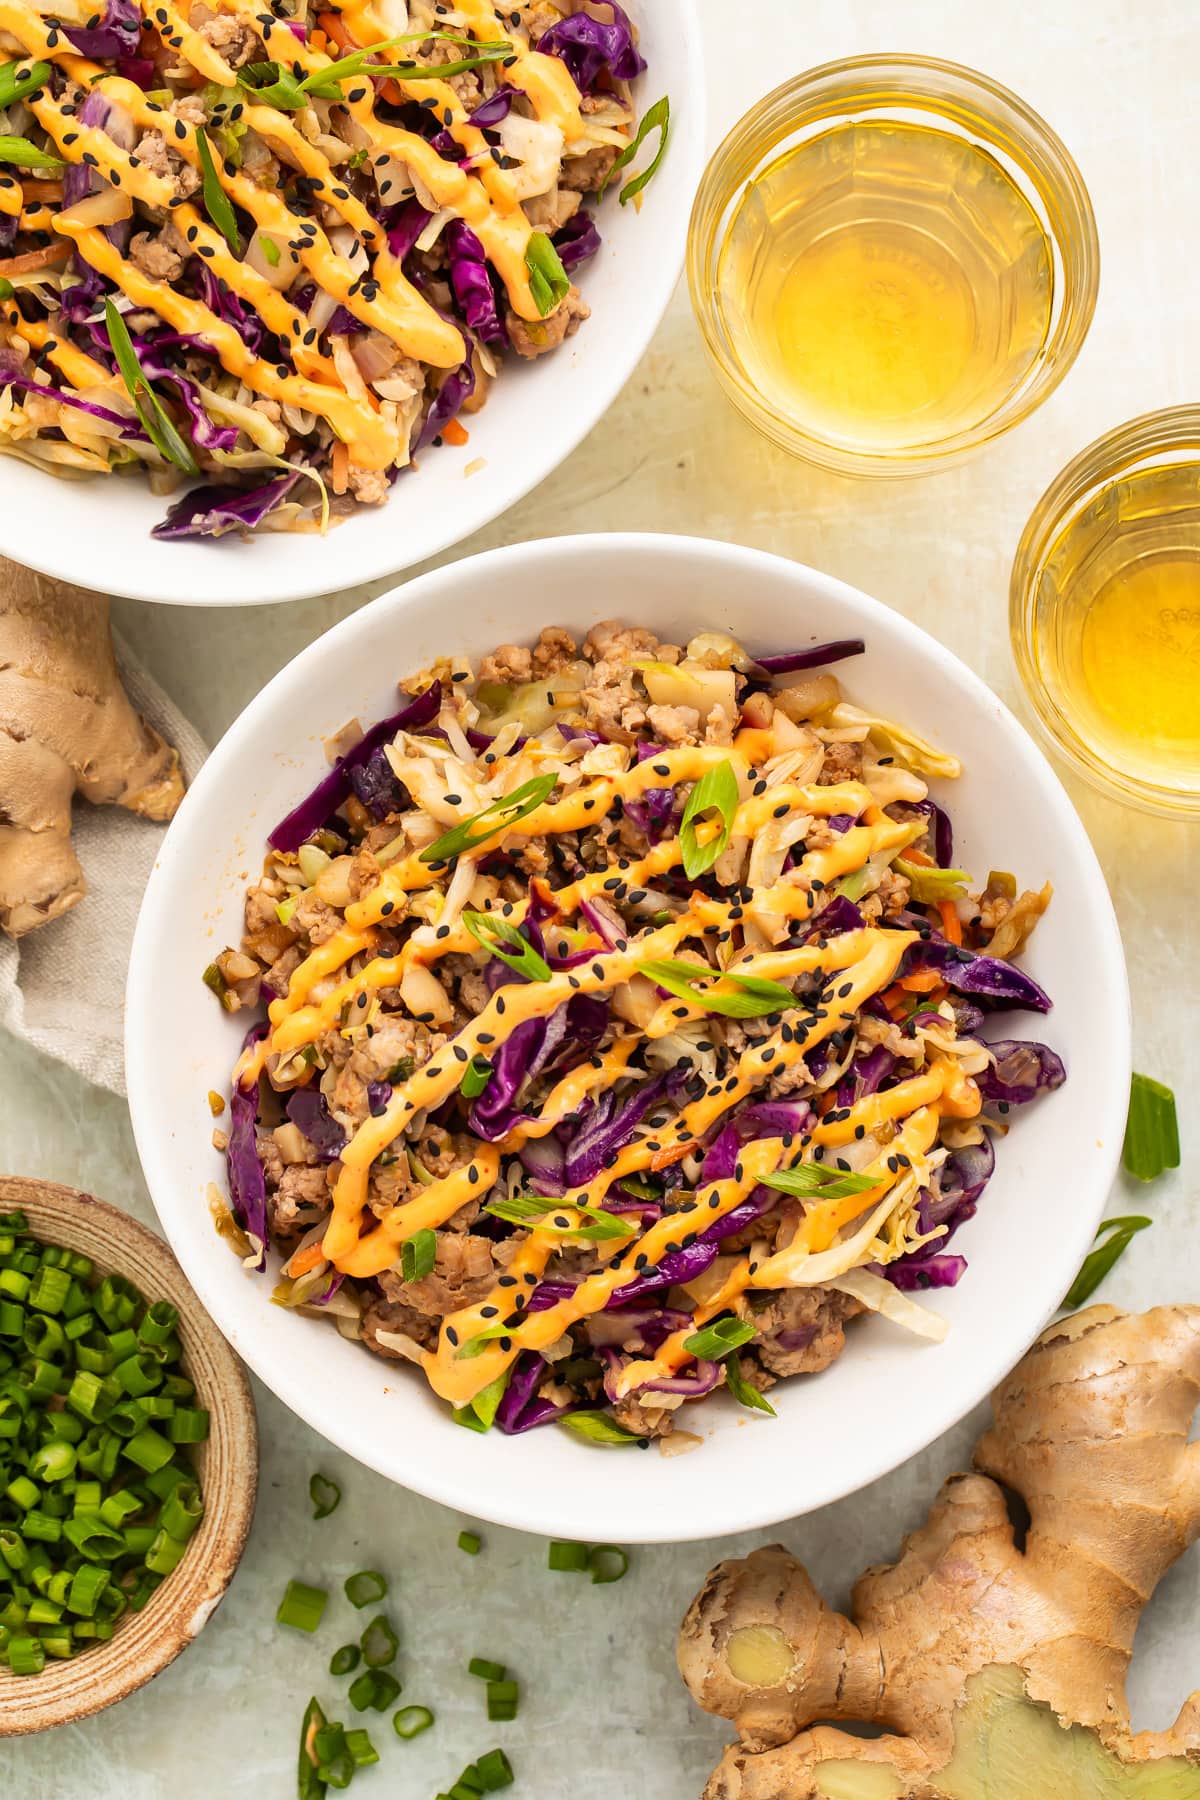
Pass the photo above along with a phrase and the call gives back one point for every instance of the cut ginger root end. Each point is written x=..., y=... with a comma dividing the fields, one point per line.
x=986, y=1669
x=66, y=727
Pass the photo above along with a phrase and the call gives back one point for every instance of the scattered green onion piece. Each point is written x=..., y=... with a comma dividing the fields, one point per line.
x=719, y=1338
x=379, y=1643
x=25, y=155
x=301, y=1606
x=656, y=117
x=325, y=83
x=411, y=1721
x=468, y=1419
x=365, y=1587
x=607, y=1563
x=716, y=791
x=159, y=428
x=502, y=1699
x=418, y=1255
x=217, y=203
x=360, y=1748
x=1151, y=1131
x=567, y=1558
x=495, y=932
x=21, y=83
x=752, y=997
x=1118, y=1234
x=375, y=1688
x=543, y=1214
x=273, y=85
x=326, y=1495
x=495, y=1771
x=478, y=1074
x=485, y=1670
x=486, y=1403
x=599, y=1428
x=817, y=1181
x=309, y=1785
x=471, y=1542
x=497, y=817
x=345, y=1660
x=549, y=282
x=743, y=1391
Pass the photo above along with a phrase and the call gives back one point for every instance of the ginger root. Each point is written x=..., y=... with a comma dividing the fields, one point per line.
x=66, y=727
x=996, y=1671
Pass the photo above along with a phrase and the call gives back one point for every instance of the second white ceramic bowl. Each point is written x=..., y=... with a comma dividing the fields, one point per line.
x=889, y=1395
x=96, y=533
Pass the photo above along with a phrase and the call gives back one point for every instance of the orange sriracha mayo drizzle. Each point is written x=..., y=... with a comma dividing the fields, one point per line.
x=853, y=965
x=392, y=305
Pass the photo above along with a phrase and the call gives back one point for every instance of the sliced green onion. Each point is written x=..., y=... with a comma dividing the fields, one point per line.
x=21, y=82
x=497, y=817
x=188, y=1425
x=182, y=1511
x=309, y=1785
x=325, y=1495
x=1118, y=1235
x=716, y=791
x=549, y=282
x=217, y=203
x=302, y=1606
x=495, y=1771
x=502, y=1699
x=468, y=1419
x=752, y=997
x=567, y=1558
x=1152, y=1130
x=470, y=1542
x=743, y=1391
x=656, y=117
x=155, y=419
x=418, y=1255
x=325, y=83
x=365, y=1587
x=478, y=1074
x=599, y=1428
x=345, y=1660
x=486, y=1403
x=25, y=155
x=411, y=1721
x=492, y=931
x=607, y=1563
x=379, y=1643
x=49, y=1289
x=360, y=1748
x=817, y=1181
x=26, y=1655
x=273, y=85
x=551, y=1216
x=719, y=1338
x=375, y=1688
x=485, y=1670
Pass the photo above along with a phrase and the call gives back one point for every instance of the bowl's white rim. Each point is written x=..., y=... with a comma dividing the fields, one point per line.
x=246, y=581
x=651, y=1526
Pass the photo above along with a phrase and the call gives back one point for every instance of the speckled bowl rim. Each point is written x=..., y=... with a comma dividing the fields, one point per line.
x=145, y=1643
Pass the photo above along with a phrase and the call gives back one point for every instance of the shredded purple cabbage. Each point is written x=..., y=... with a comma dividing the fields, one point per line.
x=1023, y=1070
x=577, y=241
x=117, y=34
x=308, y=1109
x=376, y=786
x=458, y=386
x=334, y=789
x=790, y=661
x=214, y=511
x=996, y=983
x=404, y=225
x=591, y=50
x=247, y=1183
x=472, y=284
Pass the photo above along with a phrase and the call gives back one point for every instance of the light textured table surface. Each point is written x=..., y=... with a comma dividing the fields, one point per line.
x=603, y=1712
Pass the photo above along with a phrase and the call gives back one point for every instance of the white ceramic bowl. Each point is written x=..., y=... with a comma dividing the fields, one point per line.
x=97, y=533
x=889, y=1394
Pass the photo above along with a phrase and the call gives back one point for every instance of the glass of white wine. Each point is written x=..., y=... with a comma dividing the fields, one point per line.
x=892, y=260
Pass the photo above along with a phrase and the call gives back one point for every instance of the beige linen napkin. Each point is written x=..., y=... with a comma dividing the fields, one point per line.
x=62, y=988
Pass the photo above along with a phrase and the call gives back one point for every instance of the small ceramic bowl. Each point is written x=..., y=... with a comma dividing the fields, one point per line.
x=227, y=1465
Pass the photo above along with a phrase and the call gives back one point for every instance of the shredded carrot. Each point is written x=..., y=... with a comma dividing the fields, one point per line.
x=304, y=1260
x=919, y=857
x=896, y=1000
x=922, y=981
x=317, y=41
x=673, y=1153
x=36, y=259
x=335, y=28
x=454, y=433
x=951, y=923
x=339, y=477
